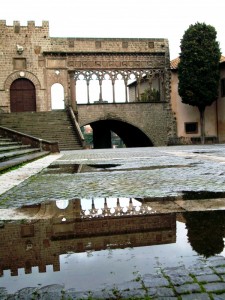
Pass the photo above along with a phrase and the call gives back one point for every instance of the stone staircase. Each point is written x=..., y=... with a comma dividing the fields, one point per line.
x=14, y=153
x=54, y=126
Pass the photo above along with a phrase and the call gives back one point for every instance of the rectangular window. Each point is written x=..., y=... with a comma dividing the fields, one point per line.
x=125, y=44
x=223, y=87
x=191, y=127
x=151, y=45
x=98, y=44
x=71, y=42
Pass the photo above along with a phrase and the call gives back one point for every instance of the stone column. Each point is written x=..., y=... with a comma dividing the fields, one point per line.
x=113, y=90
x=73, y=101
x=88, y=93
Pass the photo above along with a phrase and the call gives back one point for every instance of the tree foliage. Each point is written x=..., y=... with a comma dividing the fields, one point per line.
x=150, y=95
x=198, y=69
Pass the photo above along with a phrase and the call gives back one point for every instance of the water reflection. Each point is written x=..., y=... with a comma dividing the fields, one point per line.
x=37, y=240
x=56, y=233
x=206, y=231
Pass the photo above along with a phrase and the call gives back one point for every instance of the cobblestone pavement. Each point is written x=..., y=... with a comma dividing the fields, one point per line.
x=202, y=281
x=138, y=172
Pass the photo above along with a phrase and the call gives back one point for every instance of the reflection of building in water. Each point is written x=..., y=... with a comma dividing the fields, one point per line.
x=52, y=231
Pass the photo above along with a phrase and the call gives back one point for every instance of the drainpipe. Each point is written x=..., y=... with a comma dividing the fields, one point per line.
x=217, y=121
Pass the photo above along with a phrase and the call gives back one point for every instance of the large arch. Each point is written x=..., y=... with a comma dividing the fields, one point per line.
x=22, y=74
x=130, y=135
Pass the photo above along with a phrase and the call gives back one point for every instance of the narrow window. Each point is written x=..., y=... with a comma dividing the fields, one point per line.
x=223, y=87
x=98, y=44
x=57, y=96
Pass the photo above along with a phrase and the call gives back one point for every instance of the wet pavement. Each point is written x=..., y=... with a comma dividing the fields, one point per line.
x=137, y=172
x=165, y=177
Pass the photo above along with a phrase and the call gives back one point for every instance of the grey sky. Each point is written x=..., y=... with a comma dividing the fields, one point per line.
x=119, y=18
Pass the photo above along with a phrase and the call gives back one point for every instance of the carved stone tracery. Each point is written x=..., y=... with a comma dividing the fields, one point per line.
x=136, y=75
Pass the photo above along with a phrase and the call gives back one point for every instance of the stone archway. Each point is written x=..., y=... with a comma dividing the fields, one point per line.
x=129, y=134
x=22, y=95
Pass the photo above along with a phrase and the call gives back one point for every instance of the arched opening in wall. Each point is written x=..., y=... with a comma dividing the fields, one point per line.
x=57, y=96
x=62, y=204
x=22, y=95
x=81, y=90
x=92, y=90
x=115, y=140
x=114, y=134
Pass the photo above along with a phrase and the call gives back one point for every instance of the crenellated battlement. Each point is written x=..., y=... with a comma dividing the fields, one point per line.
x=30, y=25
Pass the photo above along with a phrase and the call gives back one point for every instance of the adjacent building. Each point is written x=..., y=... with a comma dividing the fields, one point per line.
x=187, y=116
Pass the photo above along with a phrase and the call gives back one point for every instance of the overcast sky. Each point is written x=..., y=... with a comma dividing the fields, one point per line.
x=119, y=18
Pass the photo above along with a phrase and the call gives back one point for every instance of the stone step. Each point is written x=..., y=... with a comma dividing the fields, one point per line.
x=5, y=165
x=54, y=126
x=2, y=139
x=11, y=148
x=9, y=143
x=11, y=154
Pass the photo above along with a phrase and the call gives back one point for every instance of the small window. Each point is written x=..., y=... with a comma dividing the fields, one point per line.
x=151, y=45
x=124, y=44
x=98, y=44
x=191, y=127
x=71, y=42
x=223, y=87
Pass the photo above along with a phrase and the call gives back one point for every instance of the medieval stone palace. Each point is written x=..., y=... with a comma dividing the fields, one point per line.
x=32, y=62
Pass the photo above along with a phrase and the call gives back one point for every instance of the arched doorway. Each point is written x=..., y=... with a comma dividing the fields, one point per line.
x=22, y=95
x=57, y=96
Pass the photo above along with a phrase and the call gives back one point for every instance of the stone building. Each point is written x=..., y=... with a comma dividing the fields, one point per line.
x=32, y=63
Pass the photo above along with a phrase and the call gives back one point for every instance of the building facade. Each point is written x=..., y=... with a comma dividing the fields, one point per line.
x=32, y=62
x=188, y=118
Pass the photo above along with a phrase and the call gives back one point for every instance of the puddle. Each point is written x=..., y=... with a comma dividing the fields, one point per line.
x=103, y=166
x=189, y=195
x=88, y=243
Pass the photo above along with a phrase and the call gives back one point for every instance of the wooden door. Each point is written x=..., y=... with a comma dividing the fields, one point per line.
x=22, y=96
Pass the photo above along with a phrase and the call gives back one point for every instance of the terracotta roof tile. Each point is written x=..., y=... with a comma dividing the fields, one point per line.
x=222, y=59
x=174, y=63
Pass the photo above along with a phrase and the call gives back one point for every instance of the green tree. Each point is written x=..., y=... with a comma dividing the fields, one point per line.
x=198, y=69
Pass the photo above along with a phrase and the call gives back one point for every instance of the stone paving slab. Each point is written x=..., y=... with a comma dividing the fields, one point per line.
x=15, y=177
x=196, y=296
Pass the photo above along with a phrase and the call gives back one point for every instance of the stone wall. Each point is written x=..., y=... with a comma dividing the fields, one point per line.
x=151, y=118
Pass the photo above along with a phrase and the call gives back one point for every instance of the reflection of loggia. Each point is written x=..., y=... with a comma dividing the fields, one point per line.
x=51, y=231
x=90, y=208
x=117, y=210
